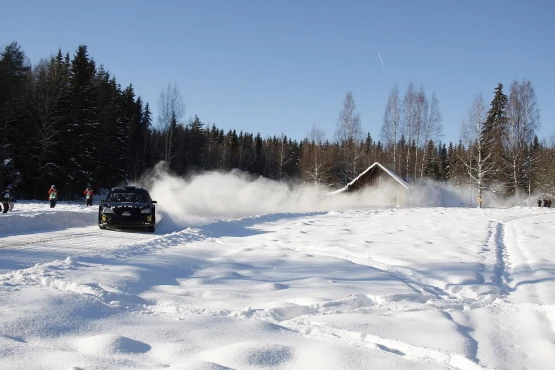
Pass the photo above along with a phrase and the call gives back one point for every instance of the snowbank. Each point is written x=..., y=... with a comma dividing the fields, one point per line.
x=29, y=216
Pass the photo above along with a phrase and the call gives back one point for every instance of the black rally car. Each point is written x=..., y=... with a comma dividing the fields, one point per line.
x=127, y=206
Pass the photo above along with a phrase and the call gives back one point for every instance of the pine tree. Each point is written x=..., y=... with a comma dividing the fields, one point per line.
x=431, y=166
x=494, y=130
x=82, y=135
x=211, y=148
x=178, y=136
x=442, y=161
x=195, y=143
x=148, y=152
x=14, y=70
x=402, y=150
x=450, y=159
x=47, y=106
x=114, y=134
x=259, y=158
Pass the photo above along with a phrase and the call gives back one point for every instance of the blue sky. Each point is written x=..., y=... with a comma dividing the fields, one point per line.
x=281, y=66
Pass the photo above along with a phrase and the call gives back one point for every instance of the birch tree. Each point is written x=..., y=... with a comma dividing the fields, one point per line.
x=409, y=117
x=523, y=120
x=546, y=167
x=284, y=155
x=479, y=162
x=391, y=126
x=349, y=136
x=315, y=159
x=420, y=122
x=433, y=127
x=171, y=111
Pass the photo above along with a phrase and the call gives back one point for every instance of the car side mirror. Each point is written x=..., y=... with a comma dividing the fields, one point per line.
x=154, y=201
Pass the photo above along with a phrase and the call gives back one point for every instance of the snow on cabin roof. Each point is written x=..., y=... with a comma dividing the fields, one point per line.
x=395, y=177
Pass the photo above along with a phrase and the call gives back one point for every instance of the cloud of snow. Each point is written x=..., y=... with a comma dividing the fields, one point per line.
x=211, y=196
x=207, y=197
x=438, y=194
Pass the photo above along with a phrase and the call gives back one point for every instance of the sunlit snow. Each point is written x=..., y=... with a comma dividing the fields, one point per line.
x=252, y=274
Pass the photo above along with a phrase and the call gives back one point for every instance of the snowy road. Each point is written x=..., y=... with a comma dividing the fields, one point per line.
x=425, y=288
x=24, y=251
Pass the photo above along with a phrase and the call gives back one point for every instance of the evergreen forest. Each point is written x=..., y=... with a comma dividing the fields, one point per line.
x=67, y=121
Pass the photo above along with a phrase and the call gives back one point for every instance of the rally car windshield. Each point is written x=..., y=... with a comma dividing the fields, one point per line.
x=128, y=197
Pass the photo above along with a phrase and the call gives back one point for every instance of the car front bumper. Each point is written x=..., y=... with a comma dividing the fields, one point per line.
x=112, y=220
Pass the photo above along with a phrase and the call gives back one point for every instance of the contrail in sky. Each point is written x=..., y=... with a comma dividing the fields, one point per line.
x=381, y=60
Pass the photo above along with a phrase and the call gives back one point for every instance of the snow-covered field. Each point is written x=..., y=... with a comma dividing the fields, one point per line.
x=405, y=288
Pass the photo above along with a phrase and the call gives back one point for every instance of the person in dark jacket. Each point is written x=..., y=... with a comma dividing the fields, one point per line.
x=7, y=199
x=88, y=196
x=539, y=202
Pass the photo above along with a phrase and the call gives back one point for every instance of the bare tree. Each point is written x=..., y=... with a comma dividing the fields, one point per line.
x=391, y=127
x=479, y=163
x=434, y=129
x=284, y=155
x=420, y=122
x=315, y=159
x=171, y=110
x=48, y=89
x=523, y=120
x=546, y=167
x=409, y=118
x=349, y=137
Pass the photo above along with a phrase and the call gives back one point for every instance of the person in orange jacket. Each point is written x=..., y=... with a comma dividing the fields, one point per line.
x=52, y=196
x=88, y=196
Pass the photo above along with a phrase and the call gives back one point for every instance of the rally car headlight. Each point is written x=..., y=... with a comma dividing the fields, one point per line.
x=146, y=210
x=107, y=210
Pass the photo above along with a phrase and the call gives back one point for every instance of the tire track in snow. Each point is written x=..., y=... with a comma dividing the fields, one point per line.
x=423, y=292
x=61, y=238
x=545, y=313
x=500, y=275
x=371, y=341
x=499, y=242
x=121, y=300
x=94, y=244
x=303, y=322
x=442, y=298
x=415, y=285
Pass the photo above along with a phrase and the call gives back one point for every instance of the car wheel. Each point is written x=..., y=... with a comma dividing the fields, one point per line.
x=102, y=227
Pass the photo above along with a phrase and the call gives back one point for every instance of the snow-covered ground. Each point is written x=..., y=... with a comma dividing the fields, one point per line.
x=366, y=288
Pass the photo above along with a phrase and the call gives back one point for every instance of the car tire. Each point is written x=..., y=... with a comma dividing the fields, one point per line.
x=102, y=227
x=151, y=229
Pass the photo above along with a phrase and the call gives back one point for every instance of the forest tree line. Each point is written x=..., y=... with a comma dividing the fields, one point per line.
x=67, y=121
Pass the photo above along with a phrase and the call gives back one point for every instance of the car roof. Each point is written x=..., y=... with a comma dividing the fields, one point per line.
x=128, y=189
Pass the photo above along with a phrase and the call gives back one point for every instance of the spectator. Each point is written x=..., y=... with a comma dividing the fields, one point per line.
x=7, y=199
x=88, y=196
x=52, y=196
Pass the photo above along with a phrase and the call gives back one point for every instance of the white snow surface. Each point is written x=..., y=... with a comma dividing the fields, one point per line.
x=337, y=288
